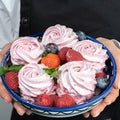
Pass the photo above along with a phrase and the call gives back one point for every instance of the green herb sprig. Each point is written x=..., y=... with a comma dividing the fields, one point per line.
x=53, y=72
x=5, y=68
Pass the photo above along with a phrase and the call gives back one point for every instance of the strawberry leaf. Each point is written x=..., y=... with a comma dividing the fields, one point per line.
x=53, y=72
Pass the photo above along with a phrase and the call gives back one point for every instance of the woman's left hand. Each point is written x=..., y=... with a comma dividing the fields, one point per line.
x=114, y=93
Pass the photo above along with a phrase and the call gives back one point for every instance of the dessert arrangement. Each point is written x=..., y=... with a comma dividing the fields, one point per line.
x=60, y=69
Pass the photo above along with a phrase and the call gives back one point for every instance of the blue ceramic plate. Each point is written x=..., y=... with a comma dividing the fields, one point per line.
x=67, y=111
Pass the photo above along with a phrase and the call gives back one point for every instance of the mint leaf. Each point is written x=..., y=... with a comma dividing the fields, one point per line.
x=15, y=67
x=2, y=70
x=5, y=68
x=53, y=72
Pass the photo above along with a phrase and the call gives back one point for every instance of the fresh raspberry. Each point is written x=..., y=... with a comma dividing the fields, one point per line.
x=51, y=60
x=65, y=101
x=44, y=100
x=62, y=53
x=73, y=55
x=54, y=99
x=100, y=74
x=11, y=78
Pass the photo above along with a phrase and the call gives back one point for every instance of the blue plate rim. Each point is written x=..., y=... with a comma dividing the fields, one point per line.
x=56, y=109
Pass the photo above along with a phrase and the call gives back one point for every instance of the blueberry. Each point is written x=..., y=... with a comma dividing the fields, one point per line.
x=9, y=63
x=81, y=35
x=102, y=82
x=51, y=48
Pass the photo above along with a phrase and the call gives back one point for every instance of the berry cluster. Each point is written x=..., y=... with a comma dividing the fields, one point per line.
x=53, y=100
x=54, y=57
x=66, y=100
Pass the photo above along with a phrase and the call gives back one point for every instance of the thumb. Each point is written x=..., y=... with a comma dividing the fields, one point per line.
x=116, y=54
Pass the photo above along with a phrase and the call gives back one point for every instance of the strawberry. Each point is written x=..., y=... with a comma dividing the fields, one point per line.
x=62, y=53
x=65, y=101
x=44, y=100
x=11, y=78
x=100, y=74
x=54, y=99
x=73, y=55
x=51, y=60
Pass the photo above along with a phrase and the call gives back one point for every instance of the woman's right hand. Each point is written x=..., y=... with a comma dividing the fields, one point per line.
x=4, y=93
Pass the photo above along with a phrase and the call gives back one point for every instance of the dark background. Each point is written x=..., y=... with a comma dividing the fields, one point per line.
x=94, y=17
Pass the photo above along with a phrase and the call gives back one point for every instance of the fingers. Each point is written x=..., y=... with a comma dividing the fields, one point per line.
x=21, y=110
x=7, y=98
x=95, y=111
x=87, y=114
x=4, y=94
x=109, y=99
x=112, y=96
x=98, y=109
x=28, y=112
x=116, y=53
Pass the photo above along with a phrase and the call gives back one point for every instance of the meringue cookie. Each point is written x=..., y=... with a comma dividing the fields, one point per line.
x=60, y=35
x=77, y=78
x=26, y=50
x=33, y=81
x=93, y=53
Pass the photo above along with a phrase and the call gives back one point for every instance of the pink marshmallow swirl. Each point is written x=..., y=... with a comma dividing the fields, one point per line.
x=34, y=81
x=77, y=78
x=93, y=53
x=60, y=35
x=26, y=50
